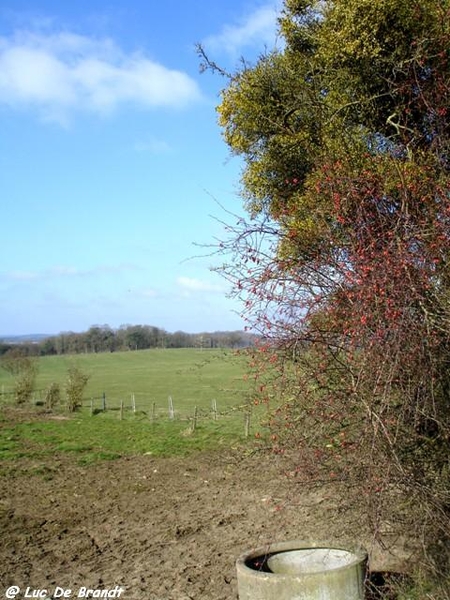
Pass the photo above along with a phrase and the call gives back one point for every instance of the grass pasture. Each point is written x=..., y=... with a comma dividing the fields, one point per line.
x=192, y=378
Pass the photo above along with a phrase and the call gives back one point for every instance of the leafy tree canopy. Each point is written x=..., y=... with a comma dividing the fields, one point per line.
x=345, y=140
x=354, y=75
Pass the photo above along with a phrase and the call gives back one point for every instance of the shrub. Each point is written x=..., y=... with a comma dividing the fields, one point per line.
x=75, y=385
x=52, y=395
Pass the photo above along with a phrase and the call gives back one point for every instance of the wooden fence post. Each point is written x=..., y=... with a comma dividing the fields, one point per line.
x=171, y=410
x=133, y=403
x=121, y=410
x=153, y=412
x=104, y=402
x=194, y=420
x=247, y=424
x=214, y=409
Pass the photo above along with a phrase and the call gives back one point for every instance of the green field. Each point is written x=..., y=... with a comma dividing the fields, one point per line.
x=192, y=378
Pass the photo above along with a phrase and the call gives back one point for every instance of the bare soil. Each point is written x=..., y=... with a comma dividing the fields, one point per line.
x=163, y=529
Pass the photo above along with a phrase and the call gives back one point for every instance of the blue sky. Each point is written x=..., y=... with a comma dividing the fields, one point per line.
x=111, y=160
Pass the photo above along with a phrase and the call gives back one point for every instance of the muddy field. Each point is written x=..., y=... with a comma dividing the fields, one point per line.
x=163, y=529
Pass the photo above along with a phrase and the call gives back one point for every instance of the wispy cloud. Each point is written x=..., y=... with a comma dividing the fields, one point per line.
x=152, y=146
x=192, y=285
x=22, y=275
x=60, y=271
x=257, y=29
x=64, y=72
x=148, y=293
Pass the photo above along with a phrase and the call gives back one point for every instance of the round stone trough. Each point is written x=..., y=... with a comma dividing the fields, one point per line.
x=300, y=570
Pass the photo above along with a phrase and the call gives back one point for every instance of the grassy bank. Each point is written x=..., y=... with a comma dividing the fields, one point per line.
x=30, y=436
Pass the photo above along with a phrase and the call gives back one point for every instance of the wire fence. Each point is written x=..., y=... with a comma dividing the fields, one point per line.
x=157, y=411
x=151, y=410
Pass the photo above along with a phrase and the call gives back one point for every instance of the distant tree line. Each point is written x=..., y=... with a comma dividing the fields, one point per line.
x=103, y=338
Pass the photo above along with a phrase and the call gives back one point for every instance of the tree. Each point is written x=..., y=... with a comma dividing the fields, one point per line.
x=52, y=395
x=343, y=261
x=100, y=339
x=75, y=385
x=48, y=346
x=24, y=369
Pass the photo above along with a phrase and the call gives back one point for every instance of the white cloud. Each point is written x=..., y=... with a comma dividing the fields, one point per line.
x=148, y=293
x=64, y=72
x=61, y=271
x=258, y=29
x=188, y=284
x=152, y=145
x=23, y=275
